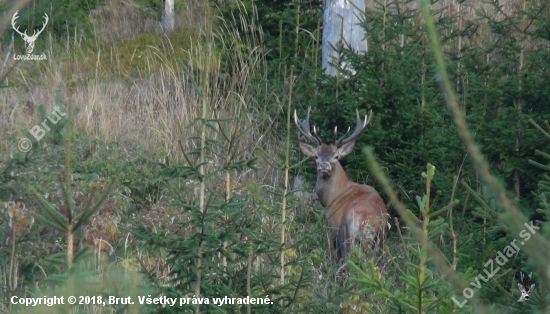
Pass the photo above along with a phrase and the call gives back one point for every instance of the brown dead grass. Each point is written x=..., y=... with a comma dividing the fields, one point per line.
x=155, y=109
x=120, y=19
x=137, y=92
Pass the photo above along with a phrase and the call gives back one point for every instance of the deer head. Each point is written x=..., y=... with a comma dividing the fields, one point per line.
x=29, y=40
x=327, y=156
x=525, y=293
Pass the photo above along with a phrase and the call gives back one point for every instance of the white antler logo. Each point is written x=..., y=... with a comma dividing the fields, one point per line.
x=29, y=40
x=525, y=293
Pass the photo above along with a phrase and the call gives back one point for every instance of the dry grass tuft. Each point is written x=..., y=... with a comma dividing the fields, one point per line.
x=122, y=19
x=149, y=96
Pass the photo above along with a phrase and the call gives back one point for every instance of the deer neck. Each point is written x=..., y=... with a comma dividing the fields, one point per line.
x=331, y=188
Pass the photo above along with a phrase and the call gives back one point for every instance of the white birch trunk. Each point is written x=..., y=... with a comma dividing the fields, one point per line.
x=341, y=20
x=168, y=19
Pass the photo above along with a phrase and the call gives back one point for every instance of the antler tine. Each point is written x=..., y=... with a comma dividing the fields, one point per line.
x=316, y=136
x=336, y=139
x=303, y=127
x=44, y=23
x=359, y=127
x=15, y=16
x=35, y=33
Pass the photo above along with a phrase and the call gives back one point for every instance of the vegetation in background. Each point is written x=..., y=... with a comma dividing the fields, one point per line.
x=193, y=127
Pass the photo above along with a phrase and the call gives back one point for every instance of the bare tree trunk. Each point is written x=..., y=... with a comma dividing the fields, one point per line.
x=168, y=16
x=341, y=20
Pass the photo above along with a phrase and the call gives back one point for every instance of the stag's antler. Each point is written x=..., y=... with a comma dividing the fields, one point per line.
x=360, y=126
x=34, y=34
x=303, y=127
x=15, y=16
x=43, y=26
x=29, y=40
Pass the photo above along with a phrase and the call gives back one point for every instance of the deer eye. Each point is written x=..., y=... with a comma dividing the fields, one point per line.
x=336, y=157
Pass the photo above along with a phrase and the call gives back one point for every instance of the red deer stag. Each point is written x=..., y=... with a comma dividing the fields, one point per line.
x=355, y=211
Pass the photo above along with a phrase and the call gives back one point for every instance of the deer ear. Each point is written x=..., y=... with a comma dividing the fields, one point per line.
x=531, y=287
x=307, y=149
x=346, y=148
x=520, y=286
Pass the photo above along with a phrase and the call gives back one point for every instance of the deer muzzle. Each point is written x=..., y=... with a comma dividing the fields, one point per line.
x=324, y=168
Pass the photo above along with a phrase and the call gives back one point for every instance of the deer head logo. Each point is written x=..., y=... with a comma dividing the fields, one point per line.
x=525, y=293
x=29, y=40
